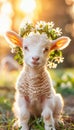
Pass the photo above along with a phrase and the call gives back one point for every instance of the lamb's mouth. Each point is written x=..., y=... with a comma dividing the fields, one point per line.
x=35, y=63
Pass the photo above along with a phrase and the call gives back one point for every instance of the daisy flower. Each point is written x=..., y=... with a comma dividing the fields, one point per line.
x=40, y=25
x=50, y=25
x=25, y=24
x=51, y=65
x=26, y=27
x=58, y=31
x=59, y=59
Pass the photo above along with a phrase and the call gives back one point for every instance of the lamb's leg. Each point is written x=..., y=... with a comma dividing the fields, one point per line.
x=48, y=118
x=58, y=108
x=21, y=112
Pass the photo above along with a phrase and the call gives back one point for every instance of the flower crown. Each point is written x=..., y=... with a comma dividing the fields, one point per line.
x=41, y=27
x=27, y=28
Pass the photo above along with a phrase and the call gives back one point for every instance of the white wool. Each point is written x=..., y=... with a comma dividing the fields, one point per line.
x=34, y=90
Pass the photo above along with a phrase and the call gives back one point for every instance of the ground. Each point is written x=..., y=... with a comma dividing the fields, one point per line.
x=63, y=83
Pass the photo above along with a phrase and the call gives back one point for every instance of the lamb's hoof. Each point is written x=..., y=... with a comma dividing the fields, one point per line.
x=49, y=127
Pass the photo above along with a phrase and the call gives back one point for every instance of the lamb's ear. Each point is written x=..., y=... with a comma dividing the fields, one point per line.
x=60, y=43
x=13, y=38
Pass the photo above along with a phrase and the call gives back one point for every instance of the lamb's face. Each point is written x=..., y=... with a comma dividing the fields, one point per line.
x=36, y=49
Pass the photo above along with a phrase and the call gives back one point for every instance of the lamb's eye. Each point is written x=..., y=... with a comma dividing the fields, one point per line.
x=26, y=48
x=45, y=50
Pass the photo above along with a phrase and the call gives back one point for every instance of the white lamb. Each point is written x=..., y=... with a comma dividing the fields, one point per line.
x=34, y=90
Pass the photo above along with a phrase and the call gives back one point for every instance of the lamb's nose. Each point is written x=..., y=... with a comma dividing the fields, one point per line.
x=35, y=58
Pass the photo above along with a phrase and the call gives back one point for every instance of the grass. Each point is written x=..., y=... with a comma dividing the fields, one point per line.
x=63, y=82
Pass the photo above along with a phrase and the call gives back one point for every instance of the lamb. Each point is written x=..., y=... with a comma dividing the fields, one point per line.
x=35, y=94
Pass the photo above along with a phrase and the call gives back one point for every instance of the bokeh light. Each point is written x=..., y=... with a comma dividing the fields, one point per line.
x=12, y=13
x=5, y=17
x=69, y=2
x=27, y=6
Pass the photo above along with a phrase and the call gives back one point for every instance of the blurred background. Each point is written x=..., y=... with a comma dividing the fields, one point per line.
x=12, y=12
